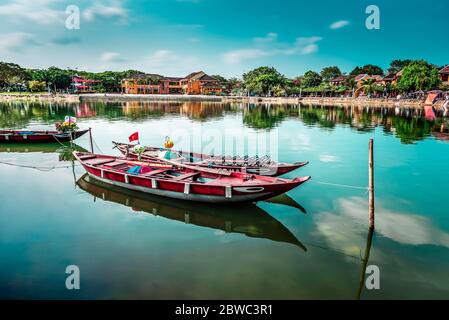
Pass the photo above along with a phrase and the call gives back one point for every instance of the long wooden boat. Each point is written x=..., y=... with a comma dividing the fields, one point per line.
x=261, y=166
x=247, y=219
x=184, y=182
x=29, y=136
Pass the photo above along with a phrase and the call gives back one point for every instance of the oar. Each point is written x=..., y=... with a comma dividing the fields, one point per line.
x=186, y=166
x=197, y=168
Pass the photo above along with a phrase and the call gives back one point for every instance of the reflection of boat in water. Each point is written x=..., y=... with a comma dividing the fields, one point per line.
x=37, y=147
x=246, y=219
x=65, y=152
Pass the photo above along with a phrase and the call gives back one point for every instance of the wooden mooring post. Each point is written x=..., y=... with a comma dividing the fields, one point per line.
x=371, y=183
x=91, y=141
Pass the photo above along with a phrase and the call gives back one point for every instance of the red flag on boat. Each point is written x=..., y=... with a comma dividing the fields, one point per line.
x=134, y=137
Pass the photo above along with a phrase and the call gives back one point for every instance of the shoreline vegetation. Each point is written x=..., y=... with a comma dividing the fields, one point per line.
x=405, y=83
x=321, y=101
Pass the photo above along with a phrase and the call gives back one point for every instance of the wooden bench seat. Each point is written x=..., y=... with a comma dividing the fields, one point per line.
x=186, y=176
x=116, y=163
x=97, y=162
x=154, y=172
x=87, y=156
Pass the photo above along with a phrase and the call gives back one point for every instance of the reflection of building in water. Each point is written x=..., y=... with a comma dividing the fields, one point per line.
x=141, y=109
x=84, y=111
x=202, y=109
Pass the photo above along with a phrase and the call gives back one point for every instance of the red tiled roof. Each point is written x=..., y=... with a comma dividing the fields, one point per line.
x=210, y=85
x=339, y=79
x=390, y=77
x=192, y=75
x=445, y=70
x=360, y=76
x=172, y=79
x=207, y=77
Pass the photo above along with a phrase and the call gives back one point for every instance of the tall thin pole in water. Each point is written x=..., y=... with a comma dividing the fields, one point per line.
x=90, y=141
x=371, y=183
x=365, y=259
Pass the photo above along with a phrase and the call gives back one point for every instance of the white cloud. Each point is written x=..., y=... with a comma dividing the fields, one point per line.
x=161, y=57
x=339, y=24
x=268, y=46
x=270, y=37
x=15, y=41
x=306, y=45
x=402, y=227
x=38, y=11
x=237, y=56
x=112, y=57
x=112, y=9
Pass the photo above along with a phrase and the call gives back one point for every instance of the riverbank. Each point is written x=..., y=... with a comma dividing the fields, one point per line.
x=117, y=97
x=40, y=97
x=327, y=101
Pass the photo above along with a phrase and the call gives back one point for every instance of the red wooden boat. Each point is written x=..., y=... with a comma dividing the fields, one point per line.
x=261, y=166
x=183, y=181
x=8, y=136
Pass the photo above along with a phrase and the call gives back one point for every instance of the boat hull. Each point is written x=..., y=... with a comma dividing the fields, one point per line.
x=187, y=197
x=39, y=136
x=231, y=188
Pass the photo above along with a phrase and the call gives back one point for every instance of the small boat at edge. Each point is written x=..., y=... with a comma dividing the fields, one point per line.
x=31, y=136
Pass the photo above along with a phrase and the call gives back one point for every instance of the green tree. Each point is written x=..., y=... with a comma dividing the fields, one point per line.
x=311, y=79
x=368, y=69
x=330, y=73
x=262, y=80
x=11, y=75
x=397, y=65
x=37, y=86
x=351, y=84
x=234, y=85
x=59, y=79
x=417, y=76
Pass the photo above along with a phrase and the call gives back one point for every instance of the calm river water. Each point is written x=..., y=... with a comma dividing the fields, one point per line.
x=311, y=245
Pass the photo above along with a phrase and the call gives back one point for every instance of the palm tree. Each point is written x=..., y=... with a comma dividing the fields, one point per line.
x=351, y=84
x=369, y=87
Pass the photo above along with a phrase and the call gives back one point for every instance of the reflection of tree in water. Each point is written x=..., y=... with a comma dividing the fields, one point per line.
x=264, y=117
x=408, y=125
x=19, y=115
x=410, y=130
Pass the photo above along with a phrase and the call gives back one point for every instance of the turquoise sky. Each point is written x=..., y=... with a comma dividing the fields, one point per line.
x=176, y=37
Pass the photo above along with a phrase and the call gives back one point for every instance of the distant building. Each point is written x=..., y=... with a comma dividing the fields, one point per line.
x=200, y=83
x=444, y=74
x=194, y=83
x=82, y=85
x=338, y=81
x=142, y=83
x=360, y=78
